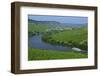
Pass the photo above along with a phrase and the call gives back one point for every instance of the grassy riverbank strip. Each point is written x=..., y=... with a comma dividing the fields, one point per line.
x=37, y=54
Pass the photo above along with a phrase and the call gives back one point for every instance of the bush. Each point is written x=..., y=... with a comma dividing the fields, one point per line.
x=83, y=45
x=31, y=34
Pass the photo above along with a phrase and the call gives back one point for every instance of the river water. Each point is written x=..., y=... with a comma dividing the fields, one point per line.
x=37, y=43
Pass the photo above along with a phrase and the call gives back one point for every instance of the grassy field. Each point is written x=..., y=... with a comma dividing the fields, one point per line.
x=37, y=54
x=76, y=37
x=73, y=38
x=36, y=27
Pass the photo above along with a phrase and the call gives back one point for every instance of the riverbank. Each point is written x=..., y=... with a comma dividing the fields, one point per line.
x=38, y=54
x=37, y=42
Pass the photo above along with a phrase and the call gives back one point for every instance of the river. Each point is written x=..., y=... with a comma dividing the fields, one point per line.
x=36, y=42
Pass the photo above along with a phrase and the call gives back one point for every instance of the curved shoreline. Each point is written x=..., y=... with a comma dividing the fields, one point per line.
x=37, y=42
x=49, y=39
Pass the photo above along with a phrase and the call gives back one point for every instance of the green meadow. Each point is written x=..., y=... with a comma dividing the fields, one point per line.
x=37, y=54
x=74, y=37
x=37, y=27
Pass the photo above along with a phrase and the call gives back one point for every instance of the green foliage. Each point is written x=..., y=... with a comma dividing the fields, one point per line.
x=72, y=38
x=30, y=34
x=37, y=54
x=32, y=27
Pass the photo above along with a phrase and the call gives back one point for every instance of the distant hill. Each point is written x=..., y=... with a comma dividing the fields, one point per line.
x=57, y=24
x=74, y=25
x=45, y=22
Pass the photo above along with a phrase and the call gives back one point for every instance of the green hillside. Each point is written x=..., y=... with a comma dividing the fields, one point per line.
x=73, y=38
x=54, y=33
x=32, y=27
